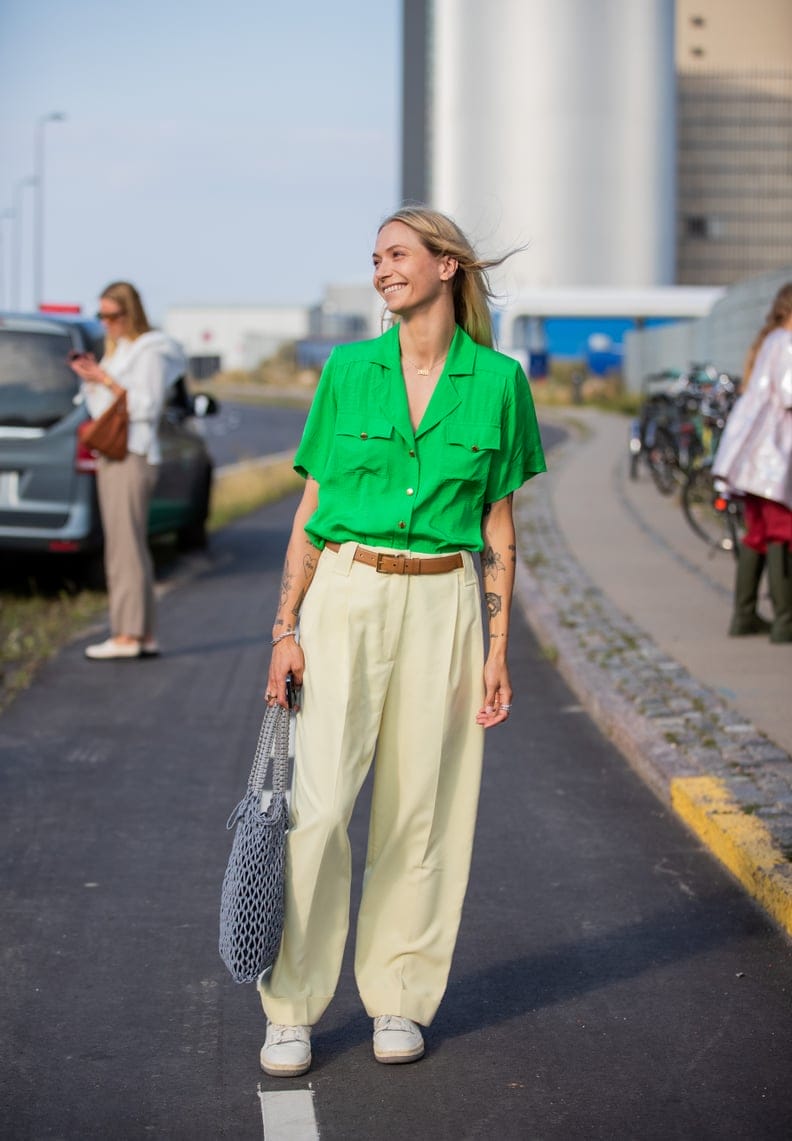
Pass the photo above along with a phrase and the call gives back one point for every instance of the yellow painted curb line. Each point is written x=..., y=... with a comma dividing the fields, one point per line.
x=739, y=840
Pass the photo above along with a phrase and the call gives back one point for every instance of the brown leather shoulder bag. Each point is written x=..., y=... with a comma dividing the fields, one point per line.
x=107, y=434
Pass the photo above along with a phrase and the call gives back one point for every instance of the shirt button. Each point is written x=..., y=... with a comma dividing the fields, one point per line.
x=410, y=491
x=475, y=449
x=402, y=524
x=412, y=453
x=364, y=435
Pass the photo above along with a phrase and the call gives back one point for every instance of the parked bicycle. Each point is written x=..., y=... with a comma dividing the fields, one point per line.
x=651, y=437
x=676, y=434
x=713, y=514
x=680, y=423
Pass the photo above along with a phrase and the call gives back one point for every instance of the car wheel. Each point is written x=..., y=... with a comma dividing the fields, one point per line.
x=194, y=536
x=90, y=571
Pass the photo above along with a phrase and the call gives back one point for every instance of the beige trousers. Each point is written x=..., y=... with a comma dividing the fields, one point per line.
x=393, y=663
x=125, y=488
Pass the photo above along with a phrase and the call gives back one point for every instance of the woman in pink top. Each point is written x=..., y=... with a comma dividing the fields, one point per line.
x=755, y=459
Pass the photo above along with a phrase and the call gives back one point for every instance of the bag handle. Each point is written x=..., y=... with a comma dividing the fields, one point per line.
x=273, y=741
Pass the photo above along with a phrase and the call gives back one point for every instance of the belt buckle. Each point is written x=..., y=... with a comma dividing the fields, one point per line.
x=398, y=562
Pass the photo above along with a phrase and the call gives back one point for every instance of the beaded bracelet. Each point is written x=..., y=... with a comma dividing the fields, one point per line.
x=280, y=637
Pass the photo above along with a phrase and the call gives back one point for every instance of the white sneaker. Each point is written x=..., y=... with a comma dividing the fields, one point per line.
x=397, y=1039
x=107, y=651
x=286, y=1052
x=149, y=648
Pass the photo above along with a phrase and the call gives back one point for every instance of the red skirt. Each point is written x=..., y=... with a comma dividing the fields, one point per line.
x=766, y=522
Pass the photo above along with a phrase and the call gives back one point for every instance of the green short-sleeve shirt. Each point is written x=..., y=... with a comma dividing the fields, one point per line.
x=383, y=484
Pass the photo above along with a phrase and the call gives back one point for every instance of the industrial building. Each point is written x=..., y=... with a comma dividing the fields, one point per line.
x=229, y=337
x=627, y=145
x=550, y=124
x=734, y=130
x=238, y=337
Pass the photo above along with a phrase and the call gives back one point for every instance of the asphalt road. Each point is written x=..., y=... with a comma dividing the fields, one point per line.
x=242, y=431
x=610, y=982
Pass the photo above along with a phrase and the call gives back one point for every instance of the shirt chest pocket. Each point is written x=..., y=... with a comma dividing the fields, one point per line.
x=363, y=443
x=468, y=450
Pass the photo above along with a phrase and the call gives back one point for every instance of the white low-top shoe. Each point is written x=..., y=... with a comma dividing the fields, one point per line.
x=397, y=1039
x=286, y=1052
x=111, y=649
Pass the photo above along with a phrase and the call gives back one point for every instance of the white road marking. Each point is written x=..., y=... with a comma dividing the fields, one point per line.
x=289, y=1115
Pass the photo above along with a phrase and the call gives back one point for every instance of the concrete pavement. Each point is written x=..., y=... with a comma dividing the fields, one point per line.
x=639, y=634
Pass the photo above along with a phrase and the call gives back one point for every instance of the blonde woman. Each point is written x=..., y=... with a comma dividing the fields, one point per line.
x=142, y=362
x=411, y=453
x=755, y=458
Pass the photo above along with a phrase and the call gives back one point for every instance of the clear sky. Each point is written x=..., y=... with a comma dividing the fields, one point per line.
x=240, y=151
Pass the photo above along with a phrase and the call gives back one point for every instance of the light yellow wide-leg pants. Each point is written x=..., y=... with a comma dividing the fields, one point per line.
x=393, y=662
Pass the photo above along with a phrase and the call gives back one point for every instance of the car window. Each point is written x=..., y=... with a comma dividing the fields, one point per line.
x=94, y=343
x=37, y=387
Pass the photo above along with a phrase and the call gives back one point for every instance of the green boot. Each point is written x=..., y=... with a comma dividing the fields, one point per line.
x=779, y=573
x=745, y=620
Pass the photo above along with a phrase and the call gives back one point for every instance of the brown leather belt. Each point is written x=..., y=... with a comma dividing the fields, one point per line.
x=385, y=563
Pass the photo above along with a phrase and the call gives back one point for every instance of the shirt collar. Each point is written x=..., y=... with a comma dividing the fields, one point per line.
x=461, y=354
x=445, y=398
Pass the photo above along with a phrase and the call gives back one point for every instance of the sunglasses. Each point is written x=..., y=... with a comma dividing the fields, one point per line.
x=110, y=316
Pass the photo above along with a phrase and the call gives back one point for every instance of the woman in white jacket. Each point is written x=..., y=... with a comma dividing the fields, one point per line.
x=755, y=459
x=143, y=362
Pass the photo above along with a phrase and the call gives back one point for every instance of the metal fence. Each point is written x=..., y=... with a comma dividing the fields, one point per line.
x=721, y=338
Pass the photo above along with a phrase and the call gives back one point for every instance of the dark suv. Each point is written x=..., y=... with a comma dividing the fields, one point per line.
x=47, y=487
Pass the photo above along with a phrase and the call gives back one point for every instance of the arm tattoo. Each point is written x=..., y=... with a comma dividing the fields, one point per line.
x=286, y=582
x=513, y=550
x=494, y=604
x=491, y=563
x=309, y=566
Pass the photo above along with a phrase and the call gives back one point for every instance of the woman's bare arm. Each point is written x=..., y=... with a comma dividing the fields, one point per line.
x=498, y=560
x=298, y=571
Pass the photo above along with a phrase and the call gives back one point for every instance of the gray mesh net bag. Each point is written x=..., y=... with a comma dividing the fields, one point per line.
x=251, y=900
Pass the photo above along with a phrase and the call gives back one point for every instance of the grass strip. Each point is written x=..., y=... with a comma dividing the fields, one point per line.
x=244, y=487
x=33, y=627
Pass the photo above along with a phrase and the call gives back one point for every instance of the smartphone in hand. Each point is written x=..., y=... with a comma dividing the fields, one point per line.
x=292, y=693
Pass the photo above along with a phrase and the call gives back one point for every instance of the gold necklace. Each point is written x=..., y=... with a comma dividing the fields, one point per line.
x=425, y=371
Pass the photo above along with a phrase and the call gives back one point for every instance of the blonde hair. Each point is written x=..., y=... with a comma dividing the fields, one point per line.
x=779, y=314
x=128, y=299
x=471, y=289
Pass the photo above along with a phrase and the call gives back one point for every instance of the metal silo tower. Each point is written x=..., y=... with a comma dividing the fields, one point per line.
x=551, y=123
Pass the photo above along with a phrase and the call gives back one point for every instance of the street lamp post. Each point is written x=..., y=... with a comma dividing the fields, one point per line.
x=4, y=214
x=16, y=265
x=38, y=231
